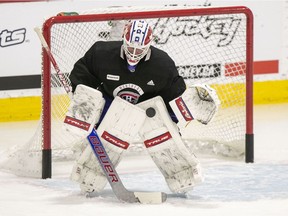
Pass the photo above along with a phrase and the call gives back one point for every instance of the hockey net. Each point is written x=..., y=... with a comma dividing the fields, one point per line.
x=208, y=45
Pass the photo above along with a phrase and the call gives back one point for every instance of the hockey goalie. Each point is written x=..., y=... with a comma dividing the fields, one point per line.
x=130, y=88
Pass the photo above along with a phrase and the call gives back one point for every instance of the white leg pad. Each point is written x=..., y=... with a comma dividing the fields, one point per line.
x=89, y=181
x=178, y=165
x=117, y=130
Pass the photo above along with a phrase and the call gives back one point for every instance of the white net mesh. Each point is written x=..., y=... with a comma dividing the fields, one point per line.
x=207, y=48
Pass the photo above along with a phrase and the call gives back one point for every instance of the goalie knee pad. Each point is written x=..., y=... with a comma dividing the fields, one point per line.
x=180, y=168
x=117, y=130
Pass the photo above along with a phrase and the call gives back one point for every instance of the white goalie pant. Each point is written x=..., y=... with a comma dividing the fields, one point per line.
x=117, y=130
x=179, y=166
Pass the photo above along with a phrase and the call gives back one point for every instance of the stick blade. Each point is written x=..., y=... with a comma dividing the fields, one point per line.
x=151, y=197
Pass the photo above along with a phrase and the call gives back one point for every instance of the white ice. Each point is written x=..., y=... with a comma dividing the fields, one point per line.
x=230, y=187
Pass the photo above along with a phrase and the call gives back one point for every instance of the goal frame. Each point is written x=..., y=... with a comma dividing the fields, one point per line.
x=46, y=83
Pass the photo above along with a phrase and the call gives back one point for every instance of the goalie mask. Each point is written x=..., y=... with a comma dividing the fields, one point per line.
x=137, y=39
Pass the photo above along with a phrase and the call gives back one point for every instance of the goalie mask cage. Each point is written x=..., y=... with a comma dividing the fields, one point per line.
x=209, y=45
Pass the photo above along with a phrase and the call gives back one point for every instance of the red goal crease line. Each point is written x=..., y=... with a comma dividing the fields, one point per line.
x=260, y=67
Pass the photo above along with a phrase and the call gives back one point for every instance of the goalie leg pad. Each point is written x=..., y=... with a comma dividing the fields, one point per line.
x=117, y=130
x=89, y=181
x=87, y=172
x=180, y=168
x=181, y=184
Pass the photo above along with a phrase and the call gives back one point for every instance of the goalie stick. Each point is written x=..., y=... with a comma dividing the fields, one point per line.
x=117, y=186
x=108, y=168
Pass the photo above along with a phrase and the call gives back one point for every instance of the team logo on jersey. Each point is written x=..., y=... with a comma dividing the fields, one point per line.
x=129, y=92
x=131, y=97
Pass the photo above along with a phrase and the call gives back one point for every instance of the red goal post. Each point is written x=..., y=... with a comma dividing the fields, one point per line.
x=243, y=67
x=209, y=45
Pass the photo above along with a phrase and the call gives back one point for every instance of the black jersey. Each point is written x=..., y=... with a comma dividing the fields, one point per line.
x=102, y=67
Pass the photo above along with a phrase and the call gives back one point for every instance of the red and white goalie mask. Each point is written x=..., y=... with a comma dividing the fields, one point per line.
x=137, y=39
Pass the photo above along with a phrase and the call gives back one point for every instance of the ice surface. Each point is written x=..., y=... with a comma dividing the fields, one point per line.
x=230, y=187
